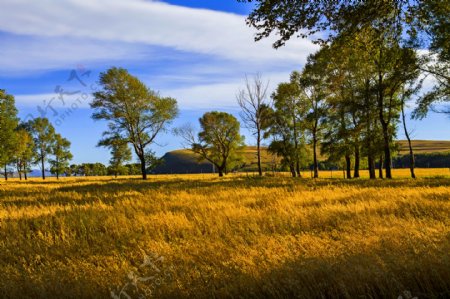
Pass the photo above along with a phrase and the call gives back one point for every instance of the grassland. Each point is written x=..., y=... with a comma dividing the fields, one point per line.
x=198, y=236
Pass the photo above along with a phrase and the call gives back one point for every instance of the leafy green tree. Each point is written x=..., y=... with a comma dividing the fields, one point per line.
x=62, y=155
x=8, y=125
x=314, y=89
x=422, y=24
x=133, y=111
x=218, y=142
x=24, y=151
x=43, y=134
x=286, y=124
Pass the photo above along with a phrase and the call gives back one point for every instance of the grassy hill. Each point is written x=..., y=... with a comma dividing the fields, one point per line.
x=185, y=161
x=425, y=146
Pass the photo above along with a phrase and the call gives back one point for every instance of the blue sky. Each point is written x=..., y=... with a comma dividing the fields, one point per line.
x=197, y=51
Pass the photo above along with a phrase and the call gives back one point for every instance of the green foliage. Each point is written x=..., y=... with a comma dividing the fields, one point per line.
x=8, y=125
x=120, y=153
x=62, y=155
x=24, y=152
x=219, y=141
x=134, y=113
x=43, y=134
x=412, y=24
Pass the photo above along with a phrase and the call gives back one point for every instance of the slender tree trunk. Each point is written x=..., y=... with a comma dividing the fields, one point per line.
x=387, y=153
x=316, y=166
x=411, y=152
x=348, y=166
x=357, y=162
x=258, y=146
x=25, y=171
x=297, y=168
x=380, y=168
x=43, y=169
x=143, y=168
x=292, y=168
x=371, y=162
x=57, y=168
x=6, y=174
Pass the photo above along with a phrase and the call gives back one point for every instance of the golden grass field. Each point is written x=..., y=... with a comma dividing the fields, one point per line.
x=198, y=236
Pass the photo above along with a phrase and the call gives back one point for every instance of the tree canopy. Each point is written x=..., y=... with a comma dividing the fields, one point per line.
x=134, y=112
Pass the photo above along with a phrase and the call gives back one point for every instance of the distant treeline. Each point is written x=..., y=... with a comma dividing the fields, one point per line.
x=99, y=169
x=429, y=160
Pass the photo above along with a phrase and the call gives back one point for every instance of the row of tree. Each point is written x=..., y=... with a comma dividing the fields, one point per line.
x=23, y=144
x=349, y=98
x=99, y=169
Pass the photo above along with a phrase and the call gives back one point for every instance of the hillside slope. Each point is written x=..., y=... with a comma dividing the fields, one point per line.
x=185, y=161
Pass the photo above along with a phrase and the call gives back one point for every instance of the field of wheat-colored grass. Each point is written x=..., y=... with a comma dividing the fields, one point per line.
x=198, y=236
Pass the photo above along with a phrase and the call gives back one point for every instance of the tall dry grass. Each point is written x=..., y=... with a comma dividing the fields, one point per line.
x=204, y=237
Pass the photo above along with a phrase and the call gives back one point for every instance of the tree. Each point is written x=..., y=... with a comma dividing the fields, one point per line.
x=43, y=134
x=133, y=111
x=312, y=82
x=24, y=152
x=62, y=155
x=218, y=142
x=254, y=106
x=287, y=124
x=421, y=24
x=8, y=125
x=120, y=153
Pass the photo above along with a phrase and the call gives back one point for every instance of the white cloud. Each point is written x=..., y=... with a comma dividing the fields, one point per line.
x=197, y=96
x=143, y=22
x=219, y=95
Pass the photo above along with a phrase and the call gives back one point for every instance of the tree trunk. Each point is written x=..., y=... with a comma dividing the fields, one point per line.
x=371, y=162
x=411, y=153
x=25, y=171
x=6, y=174
x=380, y=168
x=297, y=168
x=348, y=165
x=387, y=153
x=357, y=162
x=292, y=168
x=220, y=170
x=143, y=168
x=57, y=169
x=316, y=166
x=43, y=169
x=258, y=146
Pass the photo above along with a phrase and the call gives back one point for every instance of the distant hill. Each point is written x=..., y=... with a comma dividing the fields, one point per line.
x=185, y=161
x=425, y=146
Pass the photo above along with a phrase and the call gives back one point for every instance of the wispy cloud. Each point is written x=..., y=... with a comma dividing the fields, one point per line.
x=75, y=28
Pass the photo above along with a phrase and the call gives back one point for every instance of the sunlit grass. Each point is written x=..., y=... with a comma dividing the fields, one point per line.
x=233, y=237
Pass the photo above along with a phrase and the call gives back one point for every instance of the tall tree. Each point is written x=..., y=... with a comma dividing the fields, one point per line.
x=312, y=82
x=133, y=111
x=43, y=134
x=420, y=23
x=287, y=123
x=8, y=125
x=62, y=155
x=218, y=142
x=254, y=106
x=24, y=151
